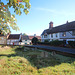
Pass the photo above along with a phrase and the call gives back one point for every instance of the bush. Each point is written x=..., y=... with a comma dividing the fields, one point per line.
x=46, y=41
x=72, y=43
x=52, y=43
x=34, y=40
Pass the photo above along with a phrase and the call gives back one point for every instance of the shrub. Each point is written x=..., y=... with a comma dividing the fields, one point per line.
x=72, y=43
x=52, y=43
x=34, y=40
x=46, y=41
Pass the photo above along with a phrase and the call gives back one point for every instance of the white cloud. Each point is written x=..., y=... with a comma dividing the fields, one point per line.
x=45, y=9
x=57, y=12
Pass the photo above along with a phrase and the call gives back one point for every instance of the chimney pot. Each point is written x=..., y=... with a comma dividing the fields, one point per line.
x=51, y=25
x=67, y=21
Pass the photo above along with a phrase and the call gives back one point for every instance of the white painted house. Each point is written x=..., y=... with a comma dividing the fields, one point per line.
x=64, y=32
x=14, y=39
x=25, y=40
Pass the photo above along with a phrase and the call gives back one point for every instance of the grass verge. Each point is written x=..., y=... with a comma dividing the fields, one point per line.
x=20, y=61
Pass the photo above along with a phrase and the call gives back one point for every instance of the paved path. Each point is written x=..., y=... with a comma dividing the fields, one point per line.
x=60, y=49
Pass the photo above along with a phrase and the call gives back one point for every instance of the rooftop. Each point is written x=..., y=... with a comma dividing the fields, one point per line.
x=14, y=36
x=62, y=28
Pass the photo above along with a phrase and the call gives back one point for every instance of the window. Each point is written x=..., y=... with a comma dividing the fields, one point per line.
x=73, y=33
x=52, y=35
x=64, y=34
x=26, y=43
x=56, y=35
x=45, y=36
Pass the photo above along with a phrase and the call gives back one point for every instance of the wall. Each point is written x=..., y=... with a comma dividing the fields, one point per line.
x=54, y=36
x=26, y=42
x=3, y=40
x=50, y=38
x=68, y=36
x=42, y=38
x=10, y=41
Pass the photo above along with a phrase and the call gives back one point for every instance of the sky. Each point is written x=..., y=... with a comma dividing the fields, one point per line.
x=42, y=12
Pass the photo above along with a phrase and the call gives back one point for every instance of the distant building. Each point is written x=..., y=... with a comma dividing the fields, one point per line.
x=38, y=37
x=28, y=39
x=17, y=39
x=3, y=39
x=14, y=39
x=64, y=32
x=25, y=40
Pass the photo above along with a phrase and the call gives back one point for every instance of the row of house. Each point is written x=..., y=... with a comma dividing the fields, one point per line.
x=16, y=39
x=64, y=32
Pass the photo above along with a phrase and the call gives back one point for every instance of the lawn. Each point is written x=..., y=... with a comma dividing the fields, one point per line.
x=27, y=61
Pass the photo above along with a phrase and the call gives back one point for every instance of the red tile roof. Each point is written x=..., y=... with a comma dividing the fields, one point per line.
x=31, y=37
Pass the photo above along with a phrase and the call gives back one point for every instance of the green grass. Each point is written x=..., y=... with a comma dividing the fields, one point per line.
x=16, y=61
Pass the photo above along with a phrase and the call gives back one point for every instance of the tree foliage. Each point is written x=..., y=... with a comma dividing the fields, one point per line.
x=24, y=34
x=34, y=40
x=7, y=19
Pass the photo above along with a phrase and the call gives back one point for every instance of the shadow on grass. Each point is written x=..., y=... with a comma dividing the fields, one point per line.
x=36, y=59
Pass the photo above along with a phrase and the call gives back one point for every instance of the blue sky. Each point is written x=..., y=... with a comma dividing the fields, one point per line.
x=44, y=11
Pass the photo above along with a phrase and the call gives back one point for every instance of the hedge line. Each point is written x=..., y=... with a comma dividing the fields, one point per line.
x=72, y=43
x=58, y=43
x=52, y=43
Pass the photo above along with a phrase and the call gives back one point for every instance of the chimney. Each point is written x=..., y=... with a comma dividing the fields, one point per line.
x=67, y=22
x=51, y=25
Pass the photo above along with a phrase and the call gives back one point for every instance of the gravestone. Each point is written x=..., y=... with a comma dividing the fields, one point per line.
x=44, y=54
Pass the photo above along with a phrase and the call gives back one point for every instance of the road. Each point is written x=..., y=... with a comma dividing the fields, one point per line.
x=69, y=51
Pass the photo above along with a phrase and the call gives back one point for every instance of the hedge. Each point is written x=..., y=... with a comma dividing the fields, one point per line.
x=58, y=43
x=71, y=43
x=52, y=43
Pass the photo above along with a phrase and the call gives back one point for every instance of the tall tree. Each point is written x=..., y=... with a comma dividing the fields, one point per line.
x=7, y=19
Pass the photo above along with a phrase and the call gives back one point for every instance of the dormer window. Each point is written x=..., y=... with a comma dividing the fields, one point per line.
x=73, y=33
x=64, y=34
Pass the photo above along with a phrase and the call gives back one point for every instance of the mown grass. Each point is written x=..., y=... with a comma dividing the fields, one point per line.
x=16, y=61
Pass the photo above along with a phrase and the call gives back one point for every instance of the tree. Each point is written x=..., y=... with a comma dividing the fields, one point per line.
x=24, y=34
x=7, y=19
x=34, y=40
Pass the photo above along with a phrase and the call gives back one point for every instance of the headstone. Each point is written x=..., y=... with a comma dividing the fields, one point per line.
x=44, y=54
x=53, y=53
x=25, y=49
